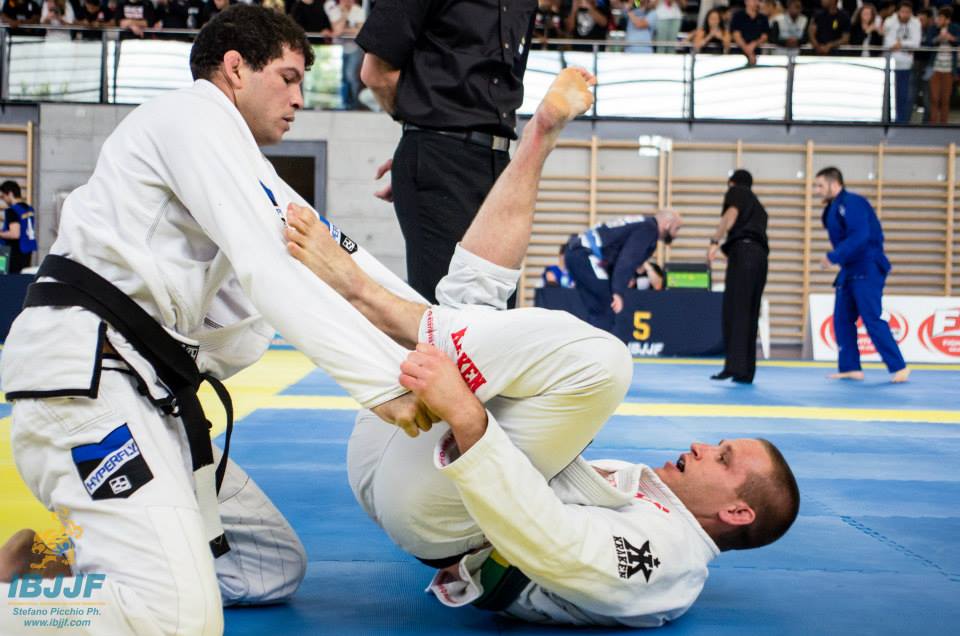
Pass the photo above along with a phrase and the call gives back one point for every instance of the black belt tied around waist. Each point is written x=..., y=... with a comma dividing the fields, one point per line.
x=502, y=583
x=493, y=142
x=78, y=286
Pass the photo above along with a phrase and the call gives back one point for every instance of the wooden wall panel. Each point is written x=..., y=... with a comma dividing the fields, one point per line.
x=912, y=188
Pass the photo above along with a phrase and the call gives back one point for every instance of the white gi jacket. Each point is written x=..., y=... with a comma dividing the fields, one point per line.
x=185, y=215
x=617, y=551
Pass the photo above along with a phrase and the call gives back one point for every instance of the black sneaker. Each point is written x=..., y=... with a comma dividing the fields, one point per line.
x=723, y=375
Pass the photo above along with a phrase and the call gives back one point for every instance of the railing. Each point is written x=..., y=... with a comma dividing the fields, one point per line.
x=783, y=86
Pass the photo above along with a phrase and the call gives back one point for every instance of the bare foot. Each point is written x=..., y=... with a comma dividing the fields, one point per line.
x=16, y=555
x=309, y=241
x=846, y=375
x=567, y=97
x=901, y=376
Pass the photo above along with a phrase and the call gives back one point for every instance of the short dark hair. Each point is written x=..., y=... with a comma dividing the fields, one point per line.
x=258, y=34
x=774, y=497
x=927, y=12
x=904, y=3
x=11, y=187
x=947, y=12
x=741, y=177
x=831, y=173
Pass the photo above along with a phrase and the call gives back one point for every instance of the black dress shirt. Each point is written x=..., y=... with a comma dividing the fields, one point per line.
x=461, y=62
x=751, y=220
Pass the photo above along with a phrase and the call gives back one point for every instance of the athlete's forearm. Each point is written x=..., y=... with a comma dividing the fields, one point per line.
x=394, y=316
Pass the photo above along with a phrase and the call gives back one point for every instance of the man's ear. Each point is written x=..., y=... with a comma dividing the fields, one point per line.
x=738, y=514
x=232, y=63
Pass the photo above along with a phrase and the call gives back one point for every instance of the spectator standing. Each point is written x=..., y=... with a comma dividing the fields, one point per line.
x=346, y=18
x=743, y=222
x=179, y=14
x=212, y=8
x=641, y=26
x=706, y=6
x=452, y=72
x=93, y=15
x=866, y=30
x=919, y=75
x=311, y=15
x=19, y=227
x=789, y=29
x=16, y=13
x=829, y=29
x=136, y=15
x=857, y=239
x=57, y=13
x=944, y=35
x=901, y=32
x=771, y=9
x=588, y=20
x=712, y=37
x=749, y=30
x=548, y=23
x=669, y=17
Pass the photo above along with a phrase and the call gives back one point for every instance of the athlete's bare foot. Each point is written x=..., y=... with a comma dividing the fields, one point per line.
x=901, y=376
x=846, y=375
x=309, y=241
x=567, y=97
x=16, y=555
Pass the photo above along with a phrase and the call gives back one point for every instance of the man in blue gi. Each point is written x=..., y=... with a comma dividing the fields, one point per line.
x=857, y=240
x=604, y=259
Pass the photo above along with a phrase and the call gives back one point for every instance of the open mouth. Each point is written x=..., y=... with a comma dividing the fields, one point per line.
x=681, y=463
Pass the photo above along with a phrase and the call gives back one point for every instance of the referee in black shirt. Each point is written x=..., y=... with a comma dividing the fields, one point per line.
x=744, y=224
x=451, y=71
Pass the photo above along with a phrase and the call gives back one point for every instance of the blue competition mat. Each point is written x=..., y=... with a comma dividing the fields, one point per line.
x=873, y=552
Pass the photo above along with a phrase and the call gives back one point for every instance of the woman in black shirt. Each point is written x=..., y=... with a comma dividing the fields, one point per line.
x=866, y=30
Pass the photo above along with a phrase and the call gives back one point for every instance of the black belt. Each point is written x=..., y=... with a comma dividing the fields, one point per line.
x=79, y=286
x=502, y=583
x=501, y=144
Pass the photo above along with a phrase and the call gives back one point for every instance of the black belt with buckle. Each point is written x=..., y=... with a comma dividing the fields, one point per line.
x=501, y=144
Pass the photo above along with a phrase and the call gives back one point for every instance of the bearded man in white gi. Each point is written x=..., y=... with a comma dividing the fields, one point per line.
x=506, y=509
x=177, y=237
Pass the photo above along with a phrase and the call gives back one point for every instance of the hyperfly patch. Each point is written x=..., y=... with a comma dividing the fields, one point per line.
x=113, y=467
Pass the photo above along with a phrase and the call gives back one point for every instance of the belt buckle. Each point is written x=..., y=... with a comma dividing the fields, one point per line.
x=500, y=143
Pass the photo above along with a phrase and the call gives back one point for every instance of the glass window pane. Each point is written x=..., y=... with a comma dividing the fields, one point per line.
x=726, y=88
x=54, y=69
x=838, y=89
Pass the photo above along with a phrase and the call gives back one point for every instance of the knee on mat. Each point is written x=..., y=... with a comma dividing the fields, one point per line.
x=189, y=609
x=274, y=580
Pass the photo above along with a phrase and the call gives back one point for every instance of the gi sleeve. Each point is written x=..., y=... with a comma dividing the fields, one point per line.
x=576, y=552
x=392, y=29
x=212, y=168
x=636, y=249
x=857, y=221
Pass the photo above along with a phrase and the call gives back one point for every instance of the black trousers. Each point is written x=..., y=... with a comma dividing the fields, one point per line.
x=746, y=278
x=439, y=184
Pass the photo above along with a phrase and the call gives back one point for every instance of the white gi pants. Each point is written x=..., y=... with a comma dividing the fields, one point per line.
x=160, y=576
x=550, y=380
